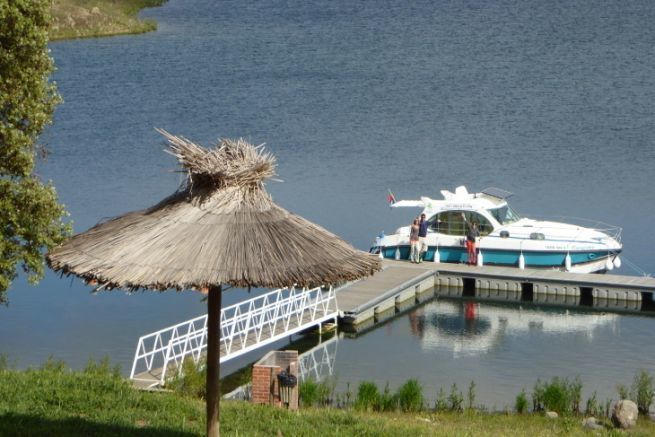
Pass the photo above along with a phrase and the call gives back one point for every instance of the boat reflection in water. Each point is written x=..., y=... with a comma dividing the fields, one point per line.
x=469, y=328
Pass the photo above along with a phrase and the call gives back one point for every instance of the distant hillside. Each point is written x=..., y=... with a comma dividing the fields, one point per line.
x=92, y=18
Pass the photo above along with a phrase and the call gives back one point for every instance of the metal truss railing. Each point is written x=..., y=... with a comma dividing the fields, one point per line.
x=244, y=327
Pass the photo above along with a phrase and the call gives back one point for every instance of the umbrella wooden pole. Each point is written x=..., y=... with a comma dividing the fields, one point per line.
x=213, y=360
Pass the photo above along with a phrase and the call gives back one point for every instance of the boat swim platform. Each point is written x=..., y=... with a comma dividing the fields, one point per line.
x=401, y=285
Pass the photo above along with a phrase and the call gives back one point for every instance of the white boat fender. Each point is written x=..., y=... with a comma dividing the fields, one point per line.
x=608, y=264
x=480, y=259
x=397, y=254
x=567, y=262
x=617, y=262
x=381, y=255
x=437, y=256
x=521, y=261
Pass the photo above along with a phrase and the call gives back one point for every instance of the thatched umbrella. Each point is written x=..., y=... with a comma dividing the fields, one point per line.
x=220, y=227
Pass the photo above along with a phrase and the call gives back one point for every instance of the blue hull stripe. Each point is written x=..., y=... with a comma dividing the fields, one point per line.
x=502, y=257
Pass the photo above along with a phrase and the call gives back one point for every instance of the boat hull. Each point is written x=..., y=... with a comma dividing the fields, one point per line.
x=583, y=261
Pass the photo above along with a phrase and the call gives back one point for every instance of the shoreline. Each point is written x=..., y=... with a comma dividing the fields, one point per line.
x=77, y=19
x=54, y=400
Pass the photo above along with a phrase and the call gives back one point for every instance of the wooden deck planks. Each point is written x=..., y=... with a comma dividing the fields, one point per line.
x=369, y=289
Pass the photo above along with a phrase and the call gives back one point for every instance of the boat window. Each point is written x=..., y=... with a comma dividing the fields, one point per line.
x=447, y=222
x=505, y=215
x=451, y=223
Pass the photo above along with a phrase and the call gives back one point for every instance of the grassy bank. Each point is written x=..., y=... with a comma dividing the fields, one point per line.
x=93, y=18
x=97, y=401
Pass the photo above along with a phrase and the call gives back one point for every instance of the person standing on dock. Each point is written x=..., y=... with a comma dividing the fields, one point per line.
x=422, y=234
x=472, y=235
x=413, y=241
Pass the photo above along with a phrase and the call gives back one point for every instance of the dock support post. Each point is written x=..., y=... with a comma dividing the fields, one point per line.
x=527, y=292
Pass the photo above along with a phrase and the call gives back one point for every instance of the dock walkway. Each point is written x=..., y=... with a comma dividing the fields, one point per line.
x=402, y=281
x=244, y=327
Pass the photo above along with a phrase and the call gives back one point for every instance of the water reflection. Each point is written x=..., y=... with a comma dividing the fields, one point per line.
x=469, y=328
x=315, y=363
x=318, y=363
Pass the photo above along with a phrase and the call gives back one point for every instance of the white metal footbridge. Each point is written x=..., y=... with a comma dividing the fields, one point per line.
x=244, y=326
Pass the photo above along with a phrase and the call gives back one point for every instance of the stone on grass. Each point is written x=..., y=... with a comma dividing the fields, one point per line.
x=624, y=414
x=551, y=415
x=591, y=423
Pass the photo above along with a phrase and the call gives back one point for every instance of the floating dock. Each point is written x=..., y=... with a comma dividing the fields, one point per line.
x=402, y=284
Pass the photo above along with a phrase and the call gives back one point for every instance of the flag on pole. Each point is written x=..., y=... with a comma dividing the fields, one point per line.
x=390, y=197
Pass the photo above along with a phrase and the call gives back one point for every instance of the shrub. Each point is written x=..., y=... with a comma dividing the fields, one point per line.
x=521, y=404
x=53, y=365
x=642, y=391
x=470, y=398
x=100, y=368
x=4, y=362
x=442, y=403
x=593, y=408
x=314, y=393
x=326, y=390
x=623, y=391
x=556, y=396
x=191, y=381
x=308, y=393
x=455, y=399
x=368, y=397
x=575, y=394
x=608, y=405
x=344, y=400
x=388, y=401
x=538, y=396
x=410, y=396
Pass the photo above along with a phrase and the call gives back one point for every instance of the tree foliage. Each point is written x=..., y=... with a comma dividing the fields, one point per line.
x=31, y=217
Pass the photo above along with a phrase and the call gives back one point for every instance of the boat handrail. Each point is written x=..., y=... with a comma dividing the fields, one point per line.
x=606, y=228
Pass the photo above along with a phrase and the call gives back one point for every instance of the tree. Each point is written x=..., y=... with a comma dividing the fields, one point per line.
x=31, y=218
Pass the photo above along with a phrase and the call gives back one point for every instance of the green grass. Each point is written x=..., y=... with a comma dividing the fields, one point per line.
x=94, y=18
x=55, y=401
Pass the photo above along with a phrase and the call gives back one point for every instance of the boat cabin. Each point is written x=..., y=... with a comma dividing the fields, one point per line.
x=489, y=209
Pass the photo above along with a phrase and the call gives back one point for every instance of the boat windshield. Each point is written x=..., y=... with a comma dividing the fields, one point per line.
x=505, y=215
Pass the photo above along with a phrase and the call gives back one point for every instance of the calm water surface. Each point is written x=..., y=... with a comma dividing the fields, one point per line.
x=553, y=101
x=502, y=348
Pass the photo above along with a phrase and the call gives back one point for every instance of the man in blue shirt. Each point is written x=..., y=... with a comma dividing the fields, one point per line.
x=422, y=233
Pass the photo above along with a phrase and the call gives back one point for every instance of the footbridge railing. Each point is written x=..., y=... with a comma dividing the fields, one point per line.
x=245, y=326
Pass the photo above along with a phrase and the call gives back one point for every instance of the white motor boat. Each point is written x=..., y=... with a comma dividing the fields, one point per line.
x=506, y=239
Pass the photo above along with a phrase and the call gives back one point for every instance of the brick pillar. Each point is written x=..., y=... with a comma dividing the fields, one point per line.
x=262, y=383
x=265, y=385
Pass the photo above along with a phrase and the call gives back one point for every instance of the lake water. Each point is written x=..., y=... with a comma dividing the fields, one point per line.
x=554, y=101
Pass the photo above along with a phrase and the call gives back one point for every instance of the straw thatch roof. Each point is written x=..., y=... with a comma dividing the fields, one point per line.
x=221, y=227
